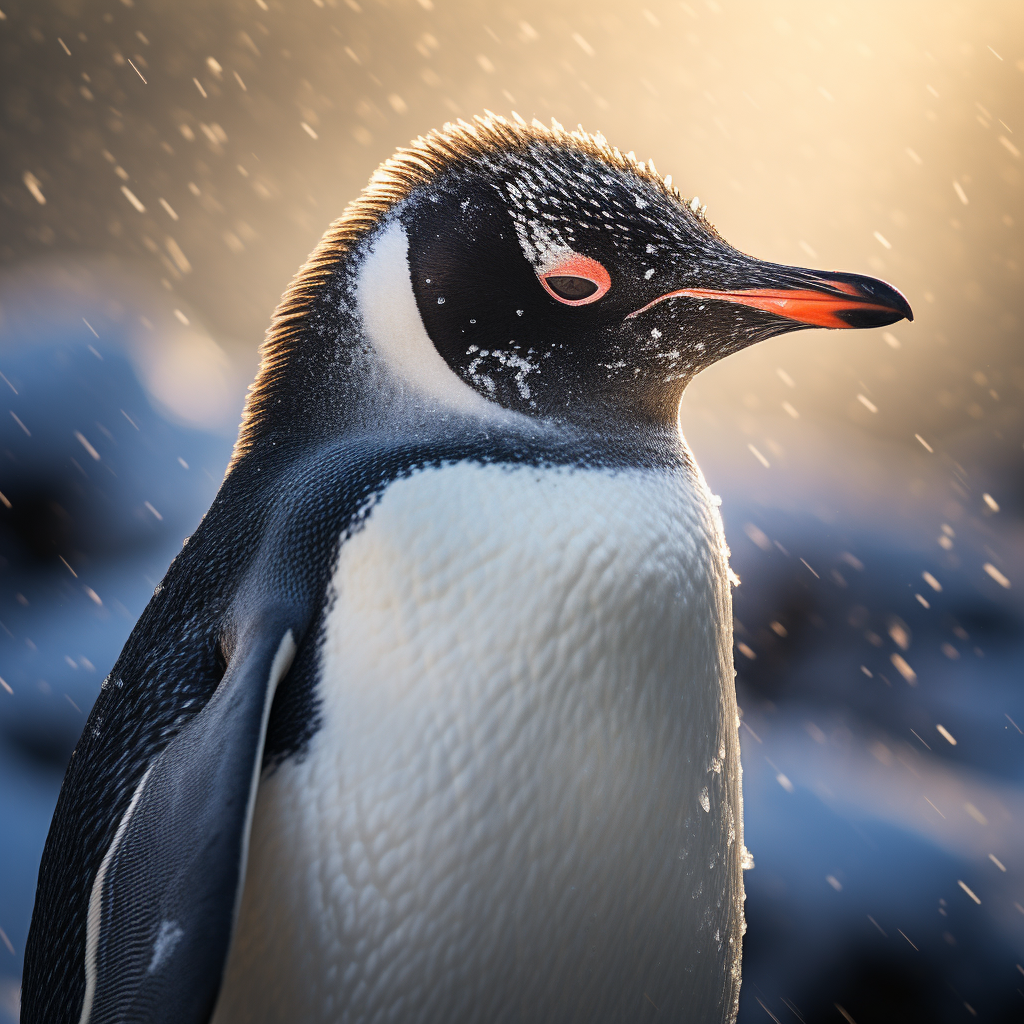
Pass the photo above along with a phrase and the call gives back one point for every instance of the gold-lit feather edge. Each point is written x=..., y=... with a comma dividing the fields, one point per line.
x=419, y=163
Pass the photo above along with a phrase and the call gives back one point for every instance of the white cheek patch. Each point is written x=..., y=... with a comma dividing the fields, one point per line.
x=391, y=318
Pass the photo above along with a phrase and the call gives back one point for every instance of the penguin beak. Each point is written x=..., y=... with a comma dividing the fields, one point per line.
x=808, y=297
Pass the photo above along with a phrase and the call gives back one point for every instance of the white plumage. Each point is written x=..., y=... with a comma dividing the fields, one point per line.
x=508, y=657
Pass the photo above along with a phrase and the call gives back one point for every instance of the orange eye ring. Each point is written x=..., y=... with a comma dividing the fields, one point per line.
x=578, y=266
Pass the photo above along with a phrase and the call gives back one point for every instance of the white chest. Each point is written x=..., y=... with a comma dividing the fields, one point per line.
x=516, y=806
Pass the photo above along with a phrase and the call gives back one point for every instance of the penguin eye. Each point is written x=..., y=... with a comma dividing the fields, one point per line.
x=576, y=280
x=572, y=289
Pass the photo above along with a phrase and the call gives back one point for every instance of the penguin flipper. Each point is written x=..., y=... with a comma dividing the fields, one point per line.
x=164, y=901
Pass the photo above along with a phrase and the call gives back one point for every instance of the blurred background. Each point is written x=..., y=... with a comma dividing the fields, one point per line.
x=166, y=167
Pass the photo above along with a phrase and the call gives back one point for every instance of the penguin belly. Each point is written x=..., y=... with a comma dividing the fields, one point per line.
x=523, y=801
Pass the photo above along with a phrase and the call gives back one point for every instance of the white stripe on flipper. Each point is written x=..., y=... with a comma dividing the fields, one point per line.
x=280, y=665
x=94, y=920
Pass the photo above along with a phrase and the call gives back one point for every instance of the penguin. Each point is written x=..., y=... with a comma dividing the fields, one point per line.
x=433, y=717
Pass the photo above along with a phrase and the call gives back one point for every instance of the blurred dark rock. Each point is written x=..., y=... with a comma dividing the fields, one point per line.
x=861, y=815
x=101, y=480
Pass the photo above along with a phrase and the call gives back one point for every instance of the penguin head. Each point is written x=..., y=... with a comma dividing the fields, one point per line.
x=551, y=276
x=561, y=279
